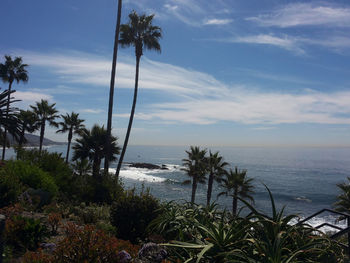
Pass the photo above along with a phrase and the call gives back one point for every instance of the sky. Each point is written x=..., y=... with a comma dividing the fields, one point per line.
x=230, y=72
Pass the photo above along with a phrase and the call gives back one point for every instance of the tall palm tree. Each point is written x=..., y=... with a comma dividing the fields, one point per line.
x=111, y=88
x=28, y=122
x=73, y=125
x=10, y=71
x=92, y=145
x=45, y=113
x=195, y=167
x=216, y=169
x=236, y=184
x=8, y=117
x=140, y=33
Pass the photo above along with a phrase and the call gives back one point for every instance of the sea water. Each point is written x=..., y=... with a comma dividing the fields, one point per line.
x=304, y=180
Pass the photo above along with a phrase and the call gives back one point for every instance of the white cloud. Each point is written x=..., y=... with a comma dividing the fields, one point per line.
x=93, y=111
x=259, y=108
x=286, y=42
x=198, y=97
x=305, y=14
x=216, y=21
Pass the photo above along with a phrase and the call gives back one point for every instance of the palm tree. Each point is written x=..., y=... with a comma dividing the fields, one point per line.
x=28, y=122
x=140, y=33
x=216, y=169
x=73, y=125
x=92, y=145
x=8, y=117
x=343, y=203
x=111, y=88
x=195, y=167
x=10, y=71
x=236, y=184
x=45, y=113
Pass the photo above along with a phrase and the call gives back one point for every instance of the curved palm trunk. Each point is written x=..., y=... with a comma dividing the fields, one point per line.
x=70, y=136
x=194, y=189
x=96, y=167
x=21, y=139
x=42, y=132
x=7, y=114
x=111, y=89
x=210, y=187
x=234, y=202
x=131, y=118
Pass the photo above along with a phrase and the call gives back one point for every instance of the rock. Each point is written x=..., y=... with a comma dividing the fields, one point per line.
x=152, y=253
x=148, y=166
x=124, y=257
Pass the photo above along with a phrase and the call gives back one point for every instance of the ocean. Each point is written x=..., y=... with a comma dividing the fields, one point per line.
x=304, y=180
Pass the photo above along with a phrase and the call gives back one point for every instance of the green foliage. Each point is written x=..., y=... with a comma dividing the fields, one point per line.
x=24, y=233
x=343, y=199
x=30, y=176
x=52, y=163
x=131, y=213
x=10, y=189
x=255, y=238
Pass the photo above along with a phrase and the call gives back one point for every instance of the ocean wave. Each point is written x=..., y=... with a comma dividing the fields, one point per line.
x=139, y=175
x=316, y=221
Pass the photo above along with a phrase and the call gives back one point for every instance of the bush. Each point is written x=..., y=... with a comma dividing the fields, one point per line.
x=52, y=163
x=85, y=244
x=17, y=176
x=24, y=233
x=132, y=213
x=10, y=189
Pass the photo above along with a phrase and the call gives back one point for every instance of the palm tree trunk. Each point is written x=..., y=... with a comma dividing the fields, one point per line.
x=111, y=88
x=234, y=202
x=194, y=189
x=7, y=114
x=131, y=118
x=210, y=187
x=96, y=167
x=42, y=132
x=70, y=136
x=21, y=139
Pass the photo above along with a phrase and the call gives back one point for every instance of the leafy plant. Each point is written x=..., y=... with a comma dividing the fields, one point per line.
x=131, y=213
x=24, y=233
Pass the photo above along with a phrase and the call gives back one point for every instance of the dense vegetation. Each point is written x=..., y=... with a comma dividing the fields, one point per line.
x=59, y=210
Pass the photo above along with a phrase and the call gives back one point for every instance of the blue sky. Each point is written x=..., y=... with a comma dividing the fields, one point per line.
x=237, y=73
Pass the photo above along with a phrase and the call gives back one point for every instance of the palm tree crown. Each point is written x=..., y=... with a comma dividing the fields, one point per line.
x=343, y=199
x=216, y=169
x=236, y=184
x=45, y=113
x=140, y=33
x=29, y=123
x=10, y=71
x=195, y=167
x=73, y=125
x=92, y=145
x=8, y=117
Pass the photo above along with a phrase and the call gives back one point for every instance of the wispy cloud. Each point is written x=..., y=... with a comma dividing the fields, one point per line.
x=305, y=14
x=29, y=98
x=198, y=97
x=76, y=67
x=258, y=108
x=216, y=21
x=285, y=42
x=93, y=111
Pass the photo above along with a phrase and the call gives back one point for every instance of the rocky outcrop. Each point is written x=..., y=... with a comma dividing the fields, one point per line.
x=148, y=166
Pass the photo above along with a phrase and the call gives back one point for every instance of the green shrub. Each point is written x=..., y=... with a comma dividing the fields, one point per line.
x=132, y=213
x=30, y=176
x=23, y=233
x=52, y=163
x=10, y=189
